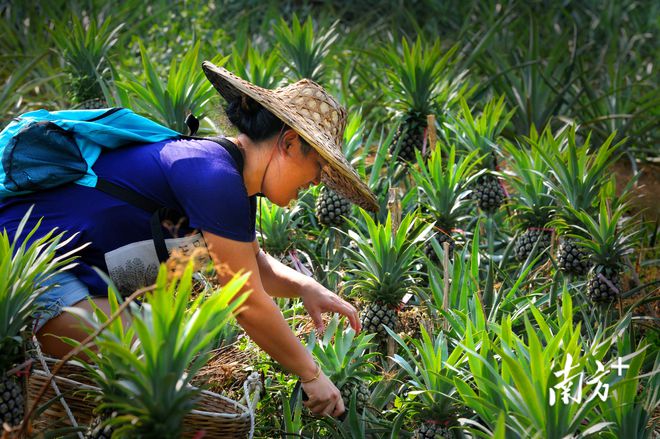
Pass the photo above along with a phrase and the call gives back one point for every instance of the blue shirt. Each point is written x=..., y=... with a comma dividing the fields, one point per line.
x=196, y=177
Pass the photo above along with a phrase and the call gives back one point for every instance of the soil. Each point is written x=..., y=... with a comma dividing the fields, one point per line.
x=647, y=189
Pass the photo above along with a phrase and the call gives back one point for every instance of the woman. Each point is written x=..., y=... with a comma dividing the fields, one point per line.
x=290, y=138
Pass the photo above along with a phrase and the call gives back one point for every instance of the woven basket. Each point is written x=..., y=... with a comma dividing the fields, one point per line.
x=216, y=415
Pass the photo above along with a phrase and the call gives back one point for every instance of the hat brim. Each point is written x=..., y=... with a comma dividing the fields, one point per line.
x=338, y=175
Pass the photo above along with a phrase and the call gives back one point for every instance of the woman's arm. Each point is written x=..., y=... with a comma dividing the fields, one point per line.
x=282, y=281
x=264, y=323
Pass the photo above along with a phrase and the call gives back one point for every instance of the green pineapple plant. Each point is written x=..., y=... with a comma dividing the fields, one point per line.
x=415, y=76
x=532, y=202
x=25, y=264
x=482, y=134
x=277, y=228
x=577, y=177
x=85, y=48
x=607, y=237
x=443, y=183
x=261, y=69
x=144, y=369
x=305, y=52
x=384, y=268
x=430, y=364
x=342, y=357
x=186, y=90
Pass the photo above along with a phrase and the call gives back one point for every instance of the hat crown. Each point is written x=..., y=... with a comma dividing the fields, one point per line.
x=313, y=103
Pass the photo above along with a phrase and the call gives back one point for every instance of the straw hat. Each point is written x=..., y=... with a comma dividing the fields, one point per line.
x=315, y=115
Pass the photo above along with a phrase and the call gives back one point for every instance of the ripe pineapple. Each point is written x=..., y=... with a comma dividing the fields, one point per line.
x=342, y=357
x=24, y=269
x=481, y=134
x=444, y=189
x=331, y=208
x=532, y=203
x=577, y=179
x=384, y=268
x=610, y=238
x=85, y=47
x=415, y=76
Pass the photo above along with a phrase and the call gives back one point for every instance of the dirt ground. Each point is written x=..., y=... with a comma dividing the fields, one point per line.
x=647, y=189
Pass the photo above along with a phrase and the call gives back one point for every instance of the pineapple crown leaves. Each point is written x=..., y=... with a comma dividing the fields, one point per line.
x=276, y=226
x=24, y=268
x=384, y=261
x=445, y=186
x=263, y=70
x=415, y=74
x=85, y=49
x=151, y=374
x=577, y=174
x=186, y=89
x=480, y=133
x=430, y=369
x=532, y=199
x=608, y=236
x=304, y=51
x=341, y=354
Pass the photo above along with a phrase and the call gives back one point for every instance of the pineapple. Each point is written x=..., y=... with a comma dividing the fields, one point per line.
x=533, y=203
x=25, y=268
x=429, y=365
x=444, y=188
x=416, y=79
x=331, y=208
x=303, y=50
x=384, y=268
x=481, y=134
x=611, y=237
x=342, y=357
x=85, y=49
x=155, y=358
x=577, y=178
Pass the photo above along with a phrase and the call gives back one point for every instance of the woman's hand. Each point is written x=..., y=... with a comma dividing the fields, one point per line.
x=324, y=397
x=318, y=300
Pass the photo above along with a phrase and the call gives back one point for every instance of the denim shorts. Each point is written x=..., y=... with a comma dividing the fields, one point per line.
x=65, y=290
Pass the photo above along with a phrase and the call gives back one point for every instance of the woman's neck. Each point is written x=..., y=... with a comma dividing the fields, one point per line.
x=256, y=155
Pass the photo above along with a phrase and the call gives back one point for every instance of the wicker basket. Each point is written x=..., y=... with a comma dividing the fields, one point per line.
x=216, y=415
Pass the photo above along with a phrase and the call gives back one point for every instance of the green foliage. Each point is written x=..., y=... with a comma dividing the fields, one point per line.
x=263, y=70
x=342, y=355
x=443, y=183
x=417, y=74
x=26, y=262
x=532, y=200
x=144, y=370
x=305, y=52
x=185, y=91
x=384, y=261
x=86, y=49
x=430, y=368
x=481, y=133
x=608, y=237
x=276, y=226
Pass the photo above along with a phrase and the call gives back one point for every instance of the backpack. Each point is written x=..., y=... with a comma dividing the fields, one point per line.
x=41, y=150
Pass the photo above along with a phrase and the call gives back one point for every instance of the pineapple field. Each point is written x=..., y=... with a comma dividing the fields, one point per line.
x=508, y=286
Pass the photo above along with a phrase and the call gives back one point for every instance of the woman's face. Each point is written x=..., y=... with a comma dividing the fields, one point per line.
x=290, y=171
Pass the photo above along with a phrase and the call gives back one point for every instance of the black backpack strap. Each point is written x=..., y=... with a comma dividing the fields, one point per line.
x=138, y=200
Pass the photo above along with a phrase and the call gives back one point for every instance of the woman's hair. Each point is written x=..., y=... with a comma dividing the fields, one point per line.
x=257, y=122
